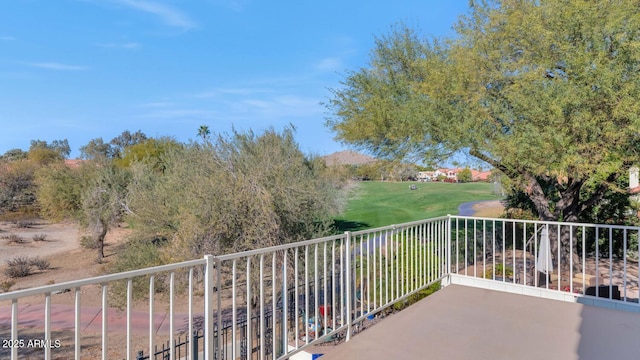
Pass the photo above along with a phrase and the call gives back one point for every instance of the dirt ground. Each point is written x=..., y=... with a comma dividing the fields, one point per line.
x=488, y=208
x=61, y=247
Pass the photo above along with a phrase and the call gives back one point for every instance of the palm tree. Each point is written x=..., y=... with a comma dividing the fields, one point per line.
x=203, y=132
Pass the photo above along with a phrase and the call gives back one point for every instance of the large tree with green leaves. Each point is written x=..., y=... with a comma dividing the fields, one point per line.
x=545, y=91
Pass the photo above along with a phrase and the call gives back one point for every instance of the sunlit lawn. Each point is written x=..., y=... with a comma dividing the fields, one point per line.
x=375, y=204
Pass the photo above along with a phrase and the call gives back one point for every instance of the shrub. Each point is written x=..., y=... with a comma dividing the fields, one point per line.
x=137, y=254
x=40, y=263
x=500, y=271
x=18, y=267
x=14, y=238
x=24, y=224
x=39, y=237
x=6, y=285
x=89, y=242
x=414, y=298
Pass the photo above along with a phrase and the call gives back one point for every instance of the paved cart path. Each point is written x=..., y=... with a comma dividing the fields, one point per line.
x=63, y=318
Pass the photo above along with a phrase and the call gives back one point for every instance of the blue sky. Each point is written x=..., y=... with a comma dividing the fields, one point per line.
x=83, y=69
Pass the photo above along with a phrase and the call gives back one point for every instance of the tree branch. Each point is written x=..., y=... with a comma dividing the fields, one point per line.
x=534, y=189
x=598, y=194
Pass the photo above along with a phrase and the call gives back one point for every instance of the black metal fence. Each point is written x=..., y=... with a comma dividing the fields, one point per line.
x=192, y=344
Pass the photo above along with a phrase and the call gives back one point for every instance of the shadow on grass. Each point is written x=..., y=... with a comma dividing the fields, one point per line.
x=347, y=225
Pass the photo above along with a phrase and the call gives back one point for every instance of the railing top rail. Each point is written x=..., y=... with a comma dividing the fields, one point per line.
x=272, y=249
x=396, y=226
x=99, y=279
x=542, y=222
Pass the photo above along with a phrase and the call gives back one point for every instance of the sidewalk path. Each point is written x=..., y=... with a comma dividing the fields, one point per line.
x=63, y=318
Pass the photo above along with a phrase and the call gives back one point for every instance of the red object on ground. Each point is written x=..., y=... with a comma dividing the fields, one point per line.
x=323, y=309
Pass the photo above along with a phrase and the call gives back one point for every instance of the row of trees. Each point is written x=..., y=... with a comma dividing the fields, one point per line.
x=392, y=170
x=18, y=169
x=222, y=194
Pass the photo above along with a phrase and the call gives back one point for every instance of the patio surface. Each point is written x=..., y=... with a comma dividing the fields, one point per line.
x=460, y=322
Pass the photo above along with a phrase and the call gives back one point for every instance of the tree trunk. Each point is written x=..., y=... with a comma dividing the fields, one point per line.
x=566, y=209
x=101, y=234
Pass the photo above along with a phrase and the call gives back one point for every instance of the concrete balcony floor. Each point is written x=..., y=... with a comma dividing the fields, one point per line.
x=460, y=322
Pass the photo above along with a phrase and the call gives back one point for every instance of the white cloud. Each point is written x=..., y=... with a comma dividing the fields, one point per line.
x=284, y=106
x=169, y=15
x=7, y=38
x=128, y=45
x=57, y=66
x=217, y=92
x=330, y=64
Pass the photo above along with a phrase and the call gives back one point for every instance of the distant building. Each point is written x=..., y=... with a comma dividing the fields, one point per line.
x=426, y=176
x=451, y=175
x=480, y=175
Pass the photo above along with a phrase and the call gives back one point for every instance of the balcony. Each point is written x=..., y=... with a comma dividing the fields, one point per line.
x=511, y=289
x=461, y=322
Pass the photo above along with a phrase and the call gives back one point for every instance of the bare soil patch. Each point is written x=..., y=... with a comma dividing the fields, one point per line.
x=61, y=247
x=492, y=209
x=58, y=238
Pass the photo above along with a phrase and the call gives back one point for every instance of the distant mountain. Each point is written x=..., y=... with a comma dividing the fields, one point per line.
x=347, y=157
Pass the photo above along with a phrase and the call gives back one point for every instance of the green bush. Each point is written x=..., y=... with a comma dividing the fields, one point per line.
x=414, y=298
x=499, y=271
x=137, y=254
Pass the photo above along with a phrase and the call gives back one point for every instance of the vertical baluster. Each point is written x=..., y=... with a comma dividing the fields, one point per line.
x=624, y=256
x=129, y=306
x=191, y=350
x=274, y=304
x=151, y=322
x=171, y=315
x=234, y=311
x=262, y=320
x=77, y=325
x=610, y=263
x=47, y=325
x=249, y=309
x=105, y=318
x=306, y=293
x=295, y=285
x=333, y=284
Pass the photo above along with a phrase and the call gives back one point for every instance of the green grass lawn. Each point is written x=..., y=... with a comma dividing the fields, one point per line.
x=375, y=204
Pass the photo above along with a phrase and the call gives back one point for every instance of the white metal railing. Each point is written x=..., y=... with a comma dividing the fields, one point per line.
x=589, y=262
x=265, y=303
x=275, y=302
x=15, y=343
x=319, y=289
